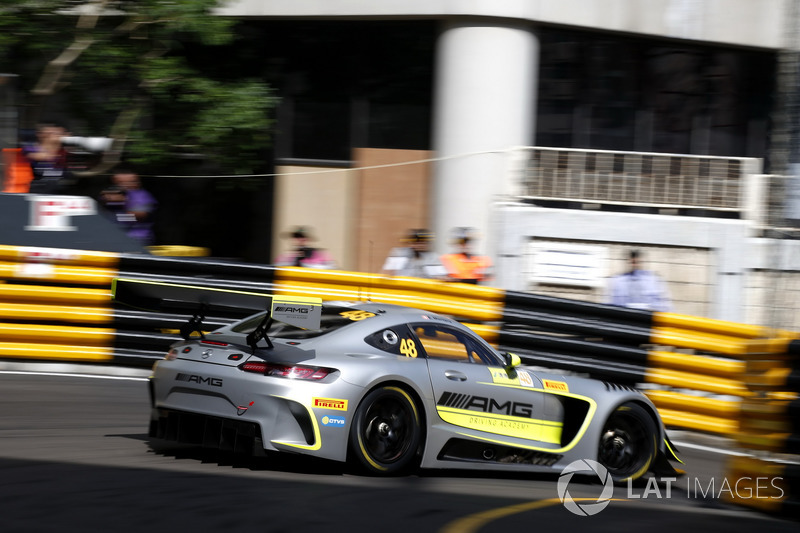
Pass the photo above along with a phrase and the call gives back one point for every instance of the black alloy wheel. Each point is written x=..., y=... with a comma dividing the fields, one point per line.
x=628, y=443
x=386, y=432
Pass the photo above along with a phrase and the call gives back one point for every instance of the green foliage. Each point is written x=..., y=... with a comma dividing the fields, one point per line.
x=170, y=63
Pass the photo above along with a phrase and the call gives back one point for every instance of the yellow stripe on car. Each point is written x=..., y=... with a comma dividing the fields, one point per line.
x=512, y=426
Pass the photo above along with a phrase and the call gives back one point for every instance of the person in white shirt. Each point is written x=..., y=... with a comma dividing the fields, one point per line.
x=638, y=288
x=415, y=259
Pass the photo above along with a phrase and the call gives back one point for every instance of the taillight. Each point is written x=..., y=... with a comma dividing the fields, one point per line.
x=213, y=343
x=286, y=371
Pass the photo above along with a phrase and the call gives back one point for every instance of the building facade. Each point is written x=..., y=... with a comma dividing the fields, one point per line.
x=455, y=88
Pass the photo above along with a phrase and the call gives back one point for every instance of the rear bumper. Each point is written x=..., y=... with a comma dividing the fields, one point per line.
x=226, y=435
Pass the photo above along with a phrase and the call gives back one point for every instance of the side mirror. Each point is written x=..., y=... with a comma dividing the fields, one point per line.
x=512, y=360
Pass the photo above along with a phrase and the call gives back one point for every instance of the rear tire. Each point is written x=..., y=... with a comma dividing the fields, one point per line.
x=627, y=445
x=386, y=432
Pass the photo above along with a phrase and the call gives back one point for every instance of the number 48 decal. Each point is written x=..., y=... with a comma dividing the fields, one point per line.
x=408, y=348
x=357, y=315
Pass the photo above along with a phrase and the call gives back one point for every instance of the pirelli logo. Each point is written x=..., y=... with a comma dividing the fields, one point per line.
x=331, y=403
x=559, y=386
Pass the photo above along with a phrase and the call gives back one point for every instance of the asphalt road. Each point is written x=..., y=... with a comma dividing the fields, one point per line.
x=74, y=456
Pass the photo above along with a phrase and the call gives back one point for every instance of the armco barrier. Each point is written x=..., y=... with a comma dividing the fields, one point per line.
x=730, y=379
x=771, y=486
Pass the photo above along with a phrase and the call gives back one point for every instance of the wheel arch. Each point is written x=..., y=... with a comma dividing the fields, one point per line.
x=653, y=412
x=642, y=401
x=415, y=394
x=417, y=403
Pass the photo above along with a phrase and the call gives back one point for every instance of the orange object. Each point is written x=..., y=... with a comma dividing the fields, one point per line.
x=461, y=266
x=18, y=172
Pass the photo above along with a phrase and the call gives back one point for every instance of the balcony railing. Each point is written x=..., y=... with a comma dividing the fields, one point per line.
x=650, y=182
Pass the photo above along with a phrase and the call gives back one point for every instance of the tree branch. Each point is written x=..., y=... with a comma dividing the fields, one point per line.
x=54, y=71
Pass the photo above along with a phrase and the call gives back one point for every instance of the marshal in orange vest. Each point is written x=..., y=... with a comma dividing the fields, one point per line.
x=18, y=172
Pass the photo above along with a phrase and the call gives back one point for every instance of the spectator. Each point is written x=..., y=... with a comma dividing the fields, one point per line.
x=464, y=266
x=137, y=212
x=48, y=159
x=415, y=258
x=638, y=288
x=302, y=254
x=114, y=200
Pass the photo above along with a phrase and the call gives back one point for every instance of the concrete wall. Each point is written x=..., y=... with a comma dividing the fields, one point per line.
x=687, y=272
x=772, y=285
x=713, y=267
x=742, y=22
x=323, y=199
x=357, y=214
x=393, y=198
x=702, y=259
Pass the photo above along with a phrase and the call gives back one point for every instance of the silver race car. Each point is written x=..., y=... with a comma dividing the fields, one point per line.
x=388, y=388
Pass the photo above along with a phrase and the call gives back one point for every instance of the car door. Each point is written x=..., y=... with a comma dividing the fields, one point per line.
x=473, y=389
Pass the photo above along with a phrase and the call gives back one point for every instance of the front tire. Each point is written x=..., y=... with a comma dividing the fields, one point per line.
x=386, y=432
x=627, y=445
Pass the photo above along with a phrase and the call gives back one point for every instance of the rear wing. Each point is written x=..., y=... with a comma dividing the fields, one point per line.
x=156, y=296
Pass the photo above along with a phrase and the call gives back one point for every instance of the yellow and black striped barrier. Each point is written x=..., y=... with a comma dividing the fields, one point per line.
x=768, y=485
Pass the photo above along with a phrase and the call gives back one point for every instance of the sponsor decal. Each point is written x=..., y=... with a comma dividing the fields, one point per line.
x=34, y=270
x=484, y=404
x=37, y=255
x=513, y=419
x=200, y=380
x=331, y=420
x=559, y=386
x=293, y=310
x=521, y=428
x=52, y=213
x=500, y=376
x=296, y=314
x=525, y=379
x=330, y=403
x=435, y=317
x=242, y=409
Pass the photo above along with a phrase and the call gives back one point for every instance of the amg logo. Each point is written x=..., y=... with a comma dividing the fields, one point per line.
x=192, y=378
x=486, y=405
x=284, y=309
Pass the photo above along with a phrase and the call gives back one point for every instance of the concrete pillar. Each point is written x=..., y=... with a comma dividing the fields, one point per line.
x=484, y=105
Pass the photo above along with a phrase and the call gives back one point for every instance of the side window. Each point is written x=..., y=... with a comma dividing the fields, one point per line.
x=440, y=343
x=395, y=340
x=479, y=354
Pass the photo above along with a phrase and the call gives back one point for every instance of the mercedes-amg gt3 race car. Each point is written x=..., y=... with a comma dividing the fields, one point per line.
x=388, y=388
